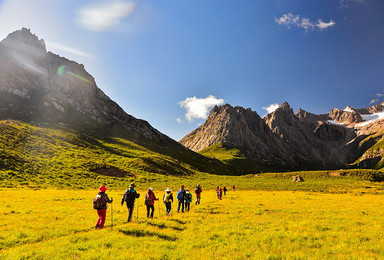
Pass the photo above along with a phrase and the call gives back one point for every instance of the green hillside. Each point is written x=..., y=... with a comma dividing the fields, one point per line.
x=59, y=157
x=235, y=158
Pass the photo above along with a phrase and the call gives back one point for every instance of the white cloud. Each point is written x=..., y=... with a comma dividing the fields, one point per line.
x=68, y=50
x=373, y=101
x=106, y=16
x=377, y=98
x=199, y=107
x=289, y=20
x=321, y=25
x=271, y=108
x=179, y=121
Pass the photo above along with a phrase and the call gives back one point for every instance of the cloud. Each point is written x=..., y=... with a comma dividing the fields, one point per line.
x=69, y=50
x=373, y=101
x=345, y=3
x=179, y=121
x=106, y=16
x=271, y=108
x=323, y=25
x=377, y=98
x=199, y=107
x=290, y=20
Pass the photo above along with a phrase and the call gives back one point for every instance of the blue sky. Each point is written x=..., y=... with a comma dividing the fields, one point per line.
x=169, y=61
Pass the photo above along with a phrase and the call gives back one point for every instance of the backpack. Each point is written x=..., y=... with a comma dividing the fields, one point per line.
x=148, y=200
x=97, y=202
x=188, y=197
x=130, y=196
x=197, y=190
x=180, y=195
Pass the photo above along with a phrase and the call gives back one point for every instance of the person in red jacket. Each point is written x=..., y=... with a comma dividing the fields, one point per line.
x=102, y=211
x=150, y=202
x=219, y=192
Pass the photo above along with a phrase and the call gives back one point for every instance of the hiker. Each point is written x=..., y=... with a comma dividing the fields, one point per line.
x=180, y=197
x=225, y=190
x=233, y=187
x=130, y=196
x=150, y=202
x=100, y=203
x=187, y=200
x=219, y=192
x=198, y=192
x=168, y=200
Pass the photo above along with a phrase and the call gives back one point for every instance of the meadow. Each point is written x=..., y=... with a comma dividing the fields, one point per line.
x=258, y=224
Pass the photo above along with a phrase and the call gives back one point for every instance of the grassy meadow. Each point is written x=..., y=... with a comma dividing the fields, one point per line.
x=58, y=224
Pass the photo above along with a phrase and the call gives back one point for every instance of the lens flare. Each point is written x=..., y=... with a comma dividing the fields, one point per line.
x=62, y=71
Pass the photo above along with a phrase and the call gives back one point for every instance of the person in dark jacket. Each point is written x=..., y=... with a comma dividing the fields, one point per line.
x=187, y=200
x=180, y=197
x=130, y=196
x=225, y=190
x=102, y=212
x=198, y=192
x=150, y=202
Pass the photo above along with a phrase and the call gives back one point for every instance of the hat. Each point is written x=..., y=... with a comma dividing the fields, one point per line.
x=150, y=188
x=102, y=188
x=168, y=189
x=132, y=185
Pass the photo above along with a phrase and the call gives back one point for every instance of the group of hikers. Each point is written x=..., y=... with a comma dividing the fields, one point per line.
x=183, y=196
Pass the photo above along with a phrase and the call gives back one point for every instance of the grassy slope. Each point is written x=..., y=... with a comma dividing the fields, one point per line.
x=233, y=157
x=41, y=157
x=38, y=157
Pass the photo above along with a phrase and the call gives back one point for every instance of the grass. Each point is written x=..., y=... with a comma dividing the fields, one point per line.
x=48, y=178
x=57, y=224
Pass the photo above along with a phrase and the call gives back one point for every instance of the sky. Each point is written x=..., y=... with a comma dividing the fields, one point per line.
x=170, y=61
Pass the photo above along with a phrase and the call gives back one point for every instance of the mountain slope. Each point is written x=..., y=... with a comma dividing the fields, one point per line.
x=44, y=89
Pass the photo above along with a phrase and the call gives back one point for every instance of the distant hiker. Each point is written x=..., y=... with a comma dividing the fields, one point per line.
x=187, y=200
x=150, y=202
x=233, y=187
x=100, y=204
x=219, y=192
x=130, y=196
x=168, y=199
x=198, y=192
x=180, y=197
x=225, y=190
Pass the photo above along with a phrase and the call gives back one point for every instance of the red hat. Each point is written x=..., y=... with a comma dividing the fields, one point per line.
x=102, y=188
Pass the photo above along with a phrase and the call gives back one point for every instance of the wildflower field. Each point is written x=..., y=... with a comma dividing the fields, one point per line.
x=59, y=224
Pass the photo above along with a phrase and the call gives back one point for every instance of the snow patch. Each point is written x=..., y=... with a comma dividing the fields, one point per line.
x=334, y=122
x=370, y=118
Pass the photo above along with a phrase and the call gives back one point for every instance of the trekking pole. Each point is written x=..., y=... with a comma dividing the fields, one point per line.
x=138, y=212
x=112, y=214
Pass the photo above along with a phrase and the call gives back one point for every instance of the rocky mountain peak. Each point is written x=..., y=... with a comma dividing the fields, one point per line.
x=23, y=40
x=41, y=87
x=346, y=117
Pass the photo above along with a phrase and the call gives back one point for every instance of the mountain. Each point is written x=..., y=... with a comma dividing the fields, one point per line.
x=45, y=90
x=285, y=141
